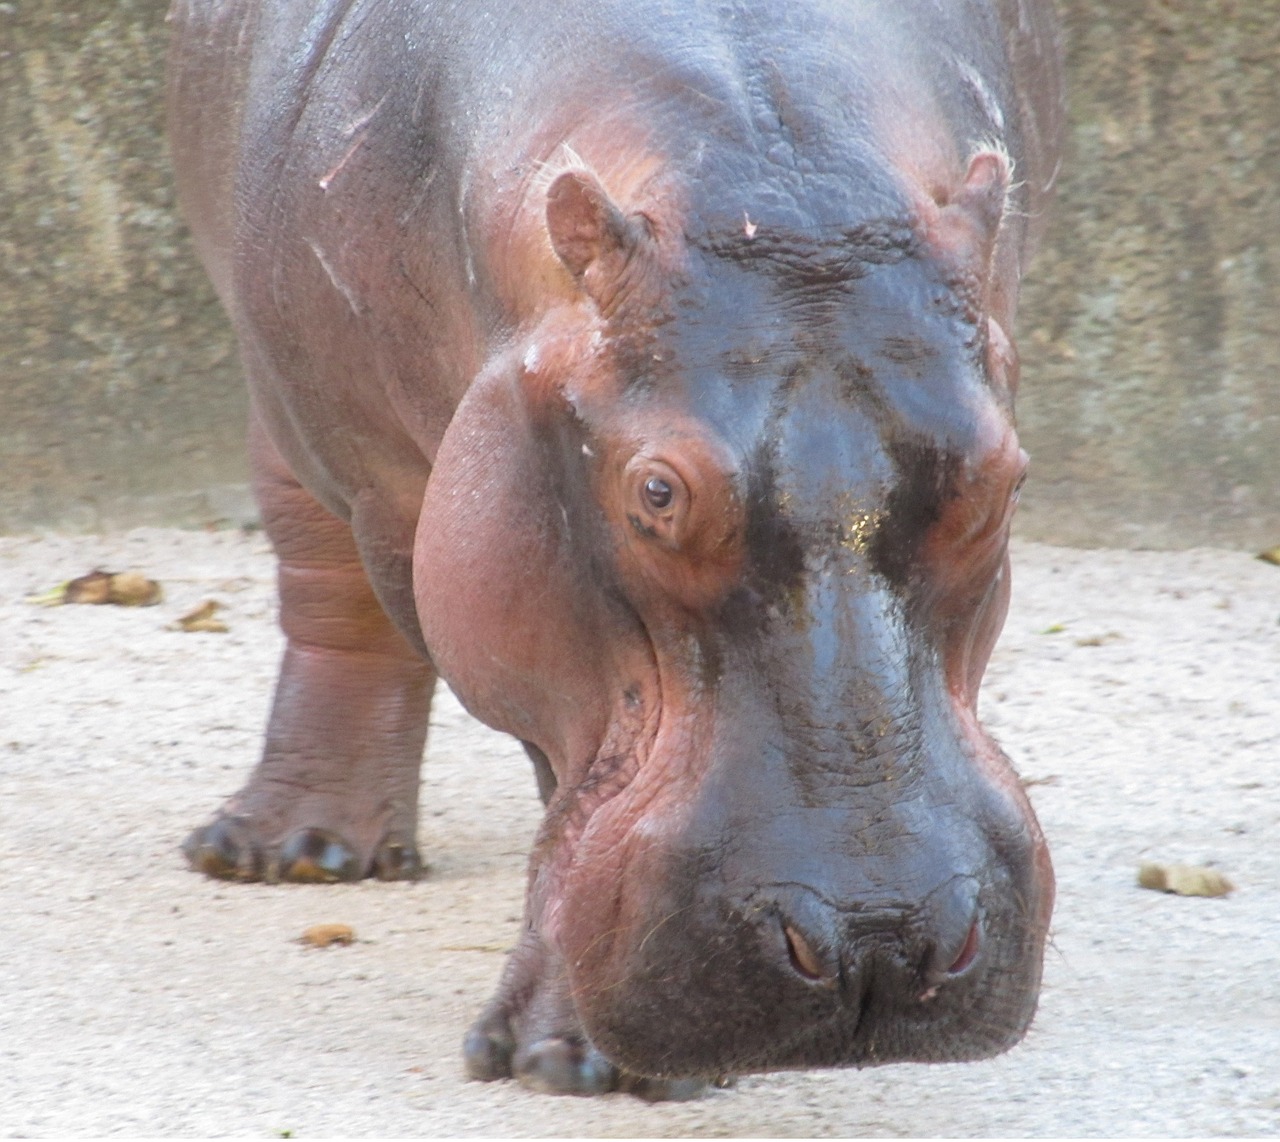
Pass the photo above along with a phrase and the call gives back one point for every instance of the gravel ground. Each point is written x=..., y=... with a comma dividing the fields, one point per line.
x=1138, y=692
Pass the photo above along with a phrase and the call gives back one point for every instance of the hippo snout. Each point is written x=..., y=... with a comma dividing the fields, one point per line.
x=766, y=931
x=785, y=979
x=920, y=949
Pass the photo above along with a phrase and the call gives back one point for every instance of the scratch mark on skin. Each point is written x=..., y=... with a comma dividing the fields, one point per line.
x=463, y=190
x=988, y=102
x=1053, y=178
x=357, y=124
x=338, y=284
x=333, y=171
x=424, y=184
x=363, y=120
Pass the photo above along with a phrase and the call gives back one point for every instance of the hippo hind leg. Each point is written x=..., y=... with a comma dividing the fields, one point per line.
x=529, y=1032
x=335, y=795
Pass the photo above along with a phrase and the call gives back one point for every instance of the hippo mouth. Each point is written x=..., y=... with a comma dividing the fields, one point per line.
x=703, y=980
x=782, y=1026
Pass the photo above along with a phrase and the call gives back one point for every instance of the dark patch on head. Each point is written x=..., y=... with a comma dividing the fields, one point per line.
x=907, y=350
x=912, y=355
x=744, y=362
x=857, y=382
x=807, y=261
x=638, y=358
x=925, y=475
x=641, y=528
x=775, y=552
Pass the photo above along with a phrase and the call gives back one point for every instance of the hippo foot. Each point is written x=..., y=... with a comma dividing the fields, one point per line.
x=564, y=1063
x=530, y=1033
x=229, y=849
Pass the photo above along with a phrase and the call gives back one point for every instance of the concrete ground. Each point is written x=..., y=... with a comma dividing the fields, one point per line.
x=1137, y=691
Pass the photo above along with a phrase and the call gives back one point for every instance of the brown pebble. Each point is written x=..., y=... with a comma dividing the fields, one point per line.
x=1183, y=879
x=322, y=935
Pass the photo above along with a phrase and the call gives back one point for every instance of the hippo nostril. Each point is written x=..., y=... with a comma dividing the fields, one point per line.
x=803, y=958
x=969, y=952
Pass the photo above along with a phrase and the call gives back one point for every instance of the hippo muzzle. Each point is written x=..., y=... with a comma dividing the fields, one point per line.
x=851, y=893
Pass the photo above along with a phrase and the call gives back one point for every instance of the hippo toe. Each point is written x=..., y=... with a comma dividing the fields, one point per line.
x=531, y=1033
x=228, y=848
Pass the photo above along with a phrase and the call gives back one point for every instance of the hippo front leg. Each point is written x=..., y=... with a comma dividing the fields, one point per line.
x=335, y=796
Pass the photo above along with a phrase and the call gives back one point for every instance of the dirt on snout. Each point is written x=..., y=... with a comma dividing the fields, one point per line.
x=1138, y=692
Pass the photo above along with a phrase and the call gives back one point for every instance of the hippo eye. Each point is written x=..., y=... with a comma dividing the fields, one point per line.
x=658, y=501
x=658, y=492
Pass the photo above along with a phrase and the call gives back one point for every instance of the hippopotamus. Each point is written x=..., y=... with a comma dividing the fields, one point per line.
x=645, y=371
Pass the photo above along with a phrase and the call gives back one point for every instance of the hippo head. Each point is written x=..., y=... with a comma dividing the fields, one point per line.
x=722, y=532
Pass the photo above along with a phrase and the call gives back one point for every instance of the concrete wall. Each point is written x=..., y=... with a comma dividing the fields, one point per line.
x=120, y=395
x=1151, y=324
x=1150, y=401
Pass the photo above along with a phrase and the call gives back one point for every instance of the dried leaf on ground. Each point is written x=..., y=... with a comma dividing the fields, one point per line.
x=93, y=589
x=323, y=935
x=1183, y=879
x=98, y=588
x=202, y=619
x=133, y=589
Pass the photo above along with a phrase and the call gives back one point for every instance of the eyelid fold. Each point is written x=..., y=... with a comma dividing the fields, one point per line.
x=692, y=548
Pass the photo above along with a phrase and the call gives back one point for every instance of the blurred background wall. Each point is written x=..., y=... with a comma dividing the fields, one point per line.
x=1150, y=330
x=120, y=393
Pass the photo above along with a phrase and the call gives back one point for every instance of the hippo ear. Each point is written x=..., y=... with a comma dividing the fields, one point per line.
x=968, y=223
x=511, y=619
x=589, y=234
